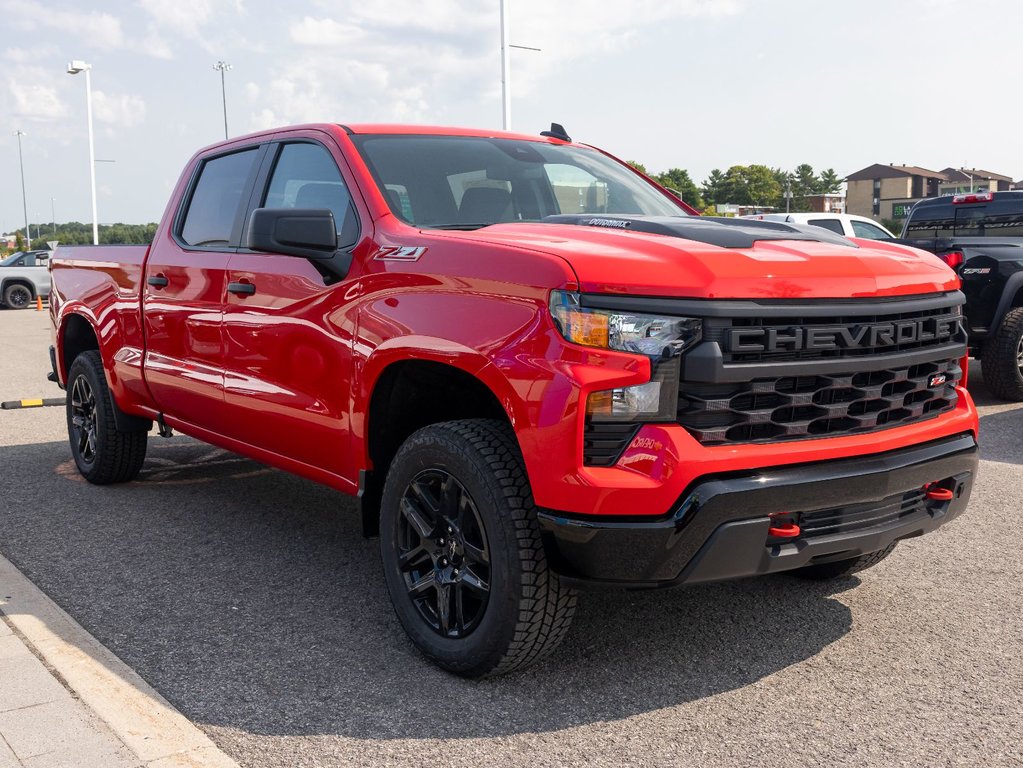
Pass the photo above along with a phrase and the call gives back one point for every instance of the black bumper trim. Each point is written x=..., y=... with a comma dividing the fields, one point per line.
x=718, y=529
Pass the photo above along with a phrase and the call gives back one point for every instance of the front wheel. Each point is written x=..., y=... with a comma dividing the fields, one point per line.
x=1002, y=361
x=462, y=554
x=17, y=296
x=103, y=453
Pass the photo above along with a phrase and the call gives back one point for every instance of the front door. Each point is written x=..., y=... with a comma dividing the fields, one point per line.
x=184, y=289
x=288, y=340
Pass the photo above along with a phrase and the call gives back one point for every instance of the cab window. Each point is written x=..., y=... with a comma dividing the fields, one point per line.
x=306, y=176
x=869, y=231
x=216, y=197
x=832, y=224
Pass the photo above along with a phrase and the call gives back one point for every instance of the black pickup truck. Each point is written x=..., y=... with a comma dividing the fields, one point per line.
x=980, y=235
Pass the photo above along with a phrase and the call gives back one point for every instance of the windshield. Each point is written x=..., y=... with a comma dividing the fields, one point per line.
x=456, y=182
x=12, y=259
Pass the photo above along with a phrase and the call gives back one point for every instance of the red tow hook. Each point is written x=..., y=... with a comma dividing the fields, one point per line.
x=782, y=529
x=935, y=493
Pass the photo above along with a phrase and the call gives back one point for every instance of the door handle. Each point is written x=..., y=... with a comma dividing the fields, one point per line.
x=158, y=281
x=241, y=289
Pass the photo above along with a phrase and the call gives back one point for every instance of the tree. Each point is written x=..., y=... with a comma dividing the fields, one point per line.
x=678, y=179
x=829, y=182
x=19, y=241
x=762, y=186
x=712, y=187
x=638, y=166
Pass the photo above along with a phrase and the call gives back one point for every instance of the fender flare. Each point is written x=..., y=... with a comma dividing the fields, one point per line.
x=1012, y=286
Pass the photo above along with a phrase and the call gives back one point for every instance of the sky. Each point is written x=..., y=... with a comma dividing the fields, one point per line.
x=695, y=84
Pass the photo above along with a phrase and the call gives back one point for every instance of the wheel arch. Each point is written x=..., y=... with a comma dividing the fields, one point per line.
x=403, y=393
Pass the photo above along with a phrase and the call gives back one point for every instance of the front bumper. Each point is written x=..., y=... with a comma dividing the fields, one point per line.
x=719, y=528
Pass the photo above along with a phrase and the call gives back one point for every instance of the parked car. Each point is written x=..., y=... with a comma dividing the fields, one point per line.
x=534, y=367
x=23, y=277
x=846, y=224
x=980, y=235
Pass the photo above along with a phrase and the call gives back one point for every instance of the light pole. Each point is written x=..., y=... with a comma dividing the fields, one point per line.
x=24, y=201
x=505, y=69
x=222, y=67
x=53, y=214
x=74, y=68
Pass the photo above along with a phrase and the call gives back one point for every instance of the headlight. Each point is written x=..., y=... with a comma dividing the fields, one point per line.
x=662, y=338
x=656, y=336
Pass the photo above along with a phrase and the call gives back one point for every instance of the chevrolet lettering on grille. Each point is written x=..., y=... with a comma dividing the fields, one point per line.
x=825, y=337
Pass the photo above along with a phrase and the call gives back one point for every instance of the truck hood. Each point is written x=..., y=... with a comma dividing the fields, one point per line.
x=793, y=262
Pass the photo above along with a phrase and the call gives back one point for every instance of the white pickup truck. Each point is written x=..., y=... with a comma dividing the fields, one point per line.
x=23, y=277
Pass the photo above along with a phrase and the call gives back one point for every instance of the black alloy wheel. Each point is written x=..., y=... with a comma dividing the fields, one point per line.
x=103, y=453
x=17, y=297
x=443, y=553
x=463, y=557
x=83, y=419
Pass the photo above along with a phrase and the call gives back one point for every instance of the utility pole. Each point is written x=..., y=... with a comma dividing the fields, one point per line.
x=222, y=67
x=24, y=202
x=53, y=214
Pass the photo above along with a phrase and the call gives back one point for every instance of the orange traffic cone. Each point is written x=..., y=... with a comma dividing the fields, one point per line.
x=39, y=303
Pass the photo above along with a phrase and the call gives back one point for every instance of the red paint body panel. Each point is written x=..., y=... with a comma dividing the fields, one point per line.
x=286, y=375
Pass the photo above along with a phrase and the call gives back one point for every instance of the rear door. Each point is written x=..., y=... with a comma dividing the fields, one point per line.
x=185, y=282
x=288, y=339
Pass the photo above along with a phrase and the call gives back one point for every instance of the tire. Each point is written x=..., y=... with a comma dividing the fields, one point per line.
x=17, y=296
x=841, y=568
x=103, y=453
x=1002, y=361
x=463, y=483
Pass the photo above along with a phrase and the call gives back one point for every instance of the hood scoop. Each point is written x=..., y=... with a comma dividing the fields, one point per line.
x=713, y=230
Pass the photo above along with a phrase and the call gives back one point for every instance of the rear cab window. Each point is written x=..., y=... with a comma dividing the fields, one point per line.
x=212, y=209
x=1002, y=217
x=835, y=225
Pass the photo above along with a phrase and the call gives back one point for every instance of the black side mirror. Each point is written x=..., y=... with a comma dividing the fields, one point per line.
x=307, y=232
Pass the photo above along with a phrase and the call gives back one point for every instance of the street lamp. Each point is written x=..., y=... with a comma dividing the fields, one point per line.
x=53, y=214
x=74, y=68
x=24, y=202
x=222, y=67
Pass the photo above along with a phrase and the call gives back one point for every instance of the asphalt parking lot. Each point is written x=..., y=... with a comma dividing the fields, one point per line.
x=249, y=599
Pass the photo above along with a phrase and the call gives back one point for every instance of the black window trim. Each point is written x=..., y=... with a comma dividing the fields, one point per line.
x=240, y=216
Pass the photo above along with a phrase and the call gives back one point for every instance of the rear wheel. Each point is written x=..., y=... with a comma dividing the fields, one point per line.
x=17, y=296
x=1002, y=362
x=103, y=453
x=462, y=554
x=841, y=568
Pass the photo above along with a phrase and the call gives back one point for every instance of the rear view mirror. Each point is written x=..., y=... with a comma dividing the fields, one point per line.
x=307, y=232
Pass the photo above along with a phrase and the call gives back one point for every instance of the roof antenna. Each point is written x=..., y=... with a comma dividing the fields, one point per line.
x=557, y=131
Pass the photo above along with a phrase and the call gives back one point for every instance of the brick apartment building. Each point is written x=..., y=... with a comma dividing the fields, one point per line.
x=889, y=191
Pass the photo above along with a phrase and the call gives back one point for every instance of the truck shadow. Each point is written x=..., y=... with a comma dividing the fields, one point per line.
x=253, y=603
x=1001, y=422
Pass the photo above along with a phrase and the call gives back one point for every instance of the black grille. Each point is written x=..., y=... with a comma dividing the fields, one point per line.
x=815, y=405
x=603, y=444
x=858, y=517
x=718, y=329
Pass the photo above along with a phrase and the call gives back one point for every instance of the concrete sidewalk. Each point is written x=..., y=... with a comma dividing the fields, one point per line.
x=66, y=701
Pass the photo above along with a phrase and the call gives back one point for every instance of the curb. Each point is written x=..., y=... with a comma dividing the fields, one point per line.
x=146, y=723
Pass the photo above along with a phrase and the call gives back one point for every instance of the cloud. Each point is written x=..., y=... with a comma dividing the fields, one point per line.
x=122, y=110
x=99, y=30
x=311, y=31
x=438, y=60
x=32, y=97
x=187, y=17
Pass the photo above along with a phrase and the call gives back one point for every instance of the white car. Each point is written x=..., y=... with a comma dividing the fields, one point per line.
x=23, y=277
x=841, y=223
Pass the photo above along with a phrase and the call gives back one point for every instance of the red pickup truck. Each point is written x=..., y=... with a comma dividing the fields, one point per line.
x=537, y=369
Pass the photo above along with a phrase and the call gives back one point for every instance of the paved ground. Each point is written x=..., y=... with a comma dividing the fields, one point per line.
x=248, y=599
